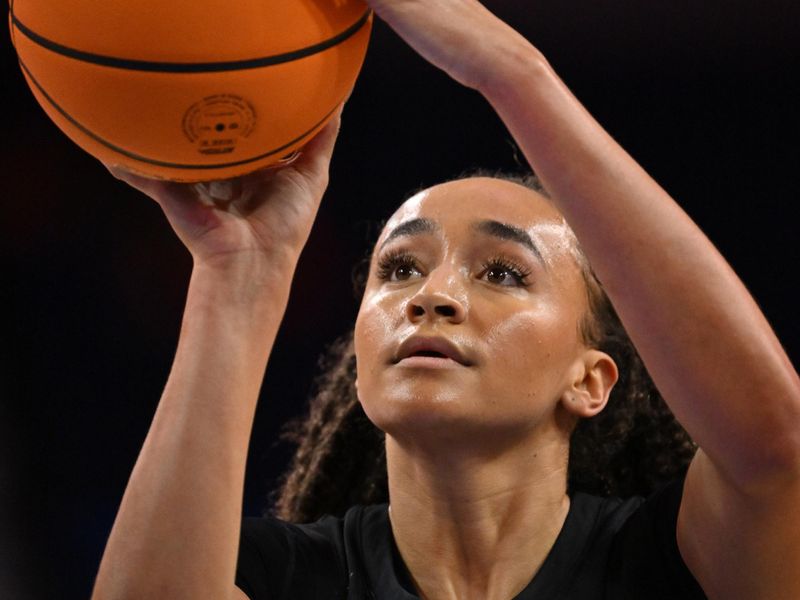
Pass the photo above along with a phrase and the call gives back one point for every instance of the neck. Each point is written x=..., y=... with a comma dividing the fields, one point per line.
x=476, y=514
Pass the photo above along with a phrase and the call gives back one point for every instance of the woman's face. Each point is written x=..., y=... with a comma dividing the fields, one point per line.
x=469, y=320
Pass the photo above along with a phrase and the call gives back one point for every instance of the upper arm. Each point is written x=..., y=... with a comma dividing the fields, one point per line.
x=739, y=545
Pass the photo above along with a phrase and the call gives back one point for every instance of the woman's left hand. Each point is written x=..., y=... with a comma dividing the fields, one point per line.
x=461, y=37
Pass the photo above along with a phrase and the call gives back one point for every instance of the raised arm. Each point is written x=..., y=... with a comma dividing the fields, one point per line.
x=176, y=534
x=705, y=342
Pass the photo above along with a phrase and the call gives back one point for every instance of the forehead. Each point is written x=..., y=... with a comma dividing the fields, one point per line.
x=477, y=199
x=455, y=207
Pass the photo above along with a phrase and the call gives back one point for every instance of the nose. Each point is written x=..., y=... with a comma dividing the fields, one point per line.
x=438, y=299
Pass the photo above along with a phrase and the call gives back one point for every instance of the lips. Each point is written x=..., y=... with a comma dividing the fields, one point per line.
x=430, y=346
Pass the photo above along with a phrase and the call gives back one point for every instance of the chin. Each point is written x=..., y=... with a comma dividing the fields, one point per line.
x=440, y=421
x=419, y=411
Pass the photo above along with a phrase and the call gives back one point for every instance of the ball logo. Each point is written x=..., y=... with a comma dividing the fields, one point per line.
x=217, y=123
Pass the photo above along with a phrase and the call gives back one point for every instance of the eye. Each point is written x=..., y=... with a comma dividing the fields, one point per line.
x=397, y=266
x=505, y=272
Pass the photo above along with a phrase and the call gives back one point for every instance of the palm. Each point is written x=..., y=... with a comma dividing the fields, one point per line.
x=255, y=214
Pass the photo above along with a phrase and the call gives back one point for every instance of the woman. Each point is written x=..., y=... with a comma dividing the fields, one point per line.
x=470, y=358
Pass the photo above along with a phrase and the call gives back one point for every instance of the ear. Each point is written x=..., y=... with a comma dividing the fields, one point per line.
x=593, y=378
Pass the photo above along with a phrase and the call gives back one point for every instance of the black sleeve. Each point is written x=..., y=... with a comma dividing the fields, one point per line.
x=279, y=560
x=645, y=561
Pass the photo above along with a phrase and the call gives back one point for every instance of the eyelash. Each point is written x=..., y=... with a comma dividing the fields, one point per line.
x=397, y=258
x=391, y=260
x=517, y=271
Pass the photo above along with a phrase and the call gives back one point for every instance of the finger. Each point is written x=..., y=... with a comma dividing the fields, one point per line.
x=175, y=199
x=143, y=184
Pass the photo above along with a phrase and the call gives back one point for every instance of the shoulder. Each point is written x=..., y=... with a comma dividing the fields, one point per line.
x=635, y=543
x=620, y=549
x=278, y=559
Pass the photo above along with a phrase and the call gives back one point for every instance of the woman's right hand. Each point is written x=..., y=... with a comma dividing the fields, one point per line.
x=264, y=215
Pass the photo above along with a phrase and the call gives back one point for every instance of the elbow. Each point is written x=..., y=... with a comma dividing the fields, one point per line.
x=784, y=443
x=776, y=464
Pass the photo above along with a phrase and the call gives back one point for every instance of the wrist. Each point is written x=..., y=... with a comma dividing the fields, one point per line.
x=247, y=282
x=515, y=62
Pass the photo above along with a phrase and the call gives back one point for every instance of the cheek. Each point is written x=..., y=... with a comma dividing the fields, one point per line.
x=373, y=327
x=535, y=347
x=375, y=321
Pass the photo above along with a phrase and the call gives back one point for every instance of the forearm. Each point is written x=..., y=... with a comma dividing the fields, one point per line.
x=704, y=340
x=176, y=533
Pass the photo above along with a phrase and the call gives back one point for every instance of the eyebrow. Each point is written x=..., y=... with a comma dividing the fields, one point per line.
x=411, y=227
x=504, y=231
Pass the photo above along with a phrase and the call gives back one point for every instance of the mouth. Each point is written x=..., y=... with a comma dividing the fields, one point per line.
x=430, y=351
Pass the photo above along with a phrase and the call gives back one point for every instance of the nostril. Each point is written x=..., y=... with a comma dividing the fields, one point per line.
x=445, y=310
x=417, y=310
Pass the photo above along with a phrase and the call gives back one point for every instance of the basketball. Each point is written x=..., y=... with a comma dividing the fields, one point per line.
x=190, y=90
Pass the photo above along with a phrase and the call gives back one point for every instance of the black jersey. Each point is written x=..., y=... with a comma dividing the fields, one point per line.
x=608, y=549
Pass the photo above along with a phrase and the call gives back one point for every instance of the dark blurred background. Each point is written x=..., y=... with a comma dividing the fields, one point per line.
x=92, y=279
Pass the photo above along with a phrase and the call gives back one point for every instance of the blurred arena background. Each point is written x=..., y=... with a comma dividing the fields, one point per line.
x=92, y=279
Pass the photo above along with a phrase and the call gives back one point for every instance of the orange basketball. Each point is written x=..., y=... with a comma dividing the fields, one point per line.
x=190, y=90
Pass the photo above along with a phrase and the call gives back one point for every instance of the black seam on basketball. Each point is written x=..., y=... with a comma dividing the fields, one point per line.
x=160, y=163
x=12, y=29
x=176, y=67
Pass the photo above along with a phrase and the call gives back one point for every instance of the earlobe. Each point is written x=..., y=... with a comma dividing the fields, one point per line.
x=589, y=392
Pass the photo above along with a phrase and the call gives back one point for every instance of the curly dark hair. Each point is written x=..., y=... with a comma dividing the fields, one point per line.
x=634, y=445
